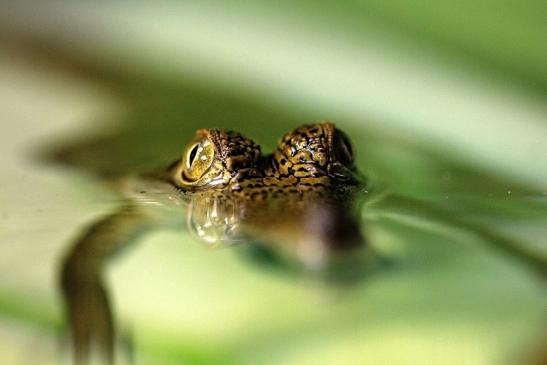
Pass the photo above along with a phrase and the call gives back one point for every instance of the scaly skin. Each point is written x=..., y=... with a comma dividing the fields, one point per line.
x=315, y=158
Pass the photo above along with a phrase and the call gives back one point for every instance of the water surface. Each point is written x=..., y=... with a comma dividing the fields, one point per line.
x=466, y=245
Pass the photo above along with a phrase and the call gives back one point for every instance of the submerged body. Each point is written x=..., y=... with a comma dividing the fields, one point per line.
x=296, y=201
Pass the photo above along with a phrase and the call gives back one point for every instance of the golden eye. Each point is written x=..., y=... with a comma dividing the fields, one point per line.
x=197, y=159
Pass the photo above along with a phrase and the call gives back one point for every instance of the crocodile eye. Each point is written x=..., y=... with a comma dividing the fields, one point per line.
x=197, y=159
x=342, y=149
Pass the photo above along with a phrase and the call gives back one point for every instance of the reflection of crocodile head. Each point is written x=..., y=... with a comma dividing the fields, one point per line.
x=298, y=197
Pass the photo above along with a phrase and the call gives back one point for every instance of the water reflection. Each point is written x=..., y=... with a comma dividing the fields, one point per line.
x=215, y=220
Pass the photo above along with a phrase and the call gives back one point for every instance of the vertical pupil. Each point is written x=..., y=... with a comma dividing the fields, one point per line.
x=193, y=153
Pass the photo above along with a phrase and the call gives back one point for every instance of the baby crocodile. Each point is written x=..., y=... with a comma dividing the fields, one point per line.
x=306, y=183
x=297, y=201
